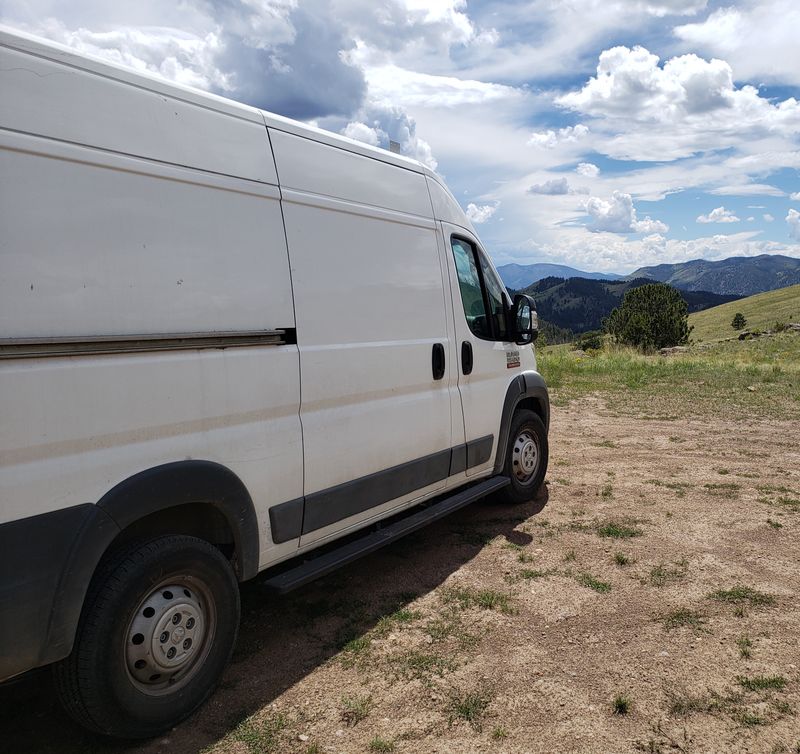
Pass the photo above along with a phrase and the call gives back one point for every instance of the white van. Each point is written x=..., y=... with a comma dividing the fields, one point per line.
x=226, y=339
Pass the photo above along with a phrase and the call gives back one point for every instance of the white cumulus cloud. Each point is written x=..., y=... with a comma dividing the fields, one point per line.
x=377, y=124
x=556, y=187
x=550, y=138
x=480, y=213
x=718, y=215
x=795, y=197
x=760, y=39
x=590, y=170
x=793, y=218
x=362, y=132
x=687, y=105
x=618, y=215
x=769, y=218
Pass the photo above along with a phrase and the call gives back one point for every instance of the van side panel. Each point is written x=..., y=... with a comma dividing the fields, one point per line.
x=66, y=97
x=369, y=303
x=317, y=168
x=95, y=244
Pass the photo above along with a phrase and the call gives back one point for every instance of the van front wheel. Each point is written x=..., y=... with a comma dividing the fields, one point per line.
x=526, y=457
x=157, y=630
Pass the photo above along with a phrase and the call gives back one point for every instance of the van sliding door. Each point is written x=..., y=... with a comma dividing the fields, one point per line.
x=371, y=329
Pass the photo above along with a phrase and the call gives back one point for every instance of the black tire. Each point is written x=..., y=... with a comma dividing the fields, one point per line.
x=102, y=687
x=527, y=435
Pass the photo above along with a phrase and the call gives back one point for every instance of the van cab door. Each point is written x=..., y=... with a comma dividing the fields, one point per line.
x=487, y=359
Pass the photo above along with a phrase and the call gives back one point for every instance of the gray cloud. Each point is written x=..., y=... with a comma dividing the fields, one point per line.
x=302, y=74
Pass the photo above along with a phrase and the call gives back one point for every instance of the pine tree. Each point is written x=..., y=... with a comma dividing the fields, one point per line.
x=651, y=316
x=739, y=322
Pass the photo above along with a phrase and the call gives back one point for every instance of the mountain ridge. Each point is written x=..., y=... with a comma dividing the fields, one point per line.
x=741, y=276
x=581, y=304
x=519, y=276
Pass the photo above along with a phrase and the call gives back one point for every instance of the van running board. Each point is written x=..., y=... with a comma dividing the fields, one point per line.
x=318, y=566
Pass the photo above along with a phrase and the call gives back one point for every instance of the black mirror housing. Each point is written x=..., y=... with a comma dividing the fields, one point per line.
x=524, y=320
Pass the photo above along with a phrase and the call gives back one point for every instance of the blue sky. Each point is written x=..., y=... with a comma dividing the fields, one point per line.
x=605, y=135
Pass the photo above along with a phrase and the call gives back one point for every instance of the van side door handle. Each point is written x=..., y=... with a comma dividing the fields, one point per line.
x=466, y=357
x=437, y=361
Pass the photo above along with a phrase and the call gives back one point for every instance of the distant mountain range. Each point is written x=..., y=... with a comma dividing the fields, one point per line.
x=743, y=276
x=739, y=276
x=580, y=304
x=517, y=276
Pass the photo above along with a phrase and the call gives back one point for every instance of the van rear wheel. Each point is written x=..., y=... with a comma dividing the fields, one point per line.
x=526, y=457
x=158, y=628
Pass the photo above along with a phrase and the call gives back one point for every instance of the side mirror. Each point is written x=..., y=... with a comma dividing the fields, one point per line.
x=524, y=319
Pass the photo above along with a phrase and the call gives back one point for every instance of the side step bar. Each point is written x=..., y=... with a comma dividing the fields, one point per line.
x=305, y=572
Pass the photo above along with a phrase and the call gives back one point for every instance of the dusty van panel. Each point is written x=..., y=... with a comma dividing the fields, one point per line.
x=307, y=165
x=62, y=97
x=128, y=246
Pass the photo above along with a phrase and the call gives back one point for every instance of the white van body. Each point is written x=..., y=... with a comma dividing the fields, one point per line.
x=214, y=315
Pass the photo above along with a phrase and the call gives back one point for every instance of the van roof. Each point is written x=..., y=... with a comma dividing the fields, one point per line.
x=28, y=43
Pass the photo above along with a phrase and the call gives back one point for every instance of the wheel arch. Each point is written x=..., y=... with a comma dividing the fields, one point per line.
x=190, y=487
x=526, y=390
x=211, y=499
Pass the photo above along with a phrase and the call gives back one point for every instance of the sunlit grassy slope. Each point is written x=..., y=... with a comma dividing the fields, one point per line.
x=761, y=311
x=736, y=379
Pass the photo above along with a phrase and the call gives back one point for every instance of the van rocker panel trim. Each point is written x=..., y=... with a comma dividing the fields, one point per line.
x=286, y=520
x=351, y=498
x=318, y=566
x=479, y=451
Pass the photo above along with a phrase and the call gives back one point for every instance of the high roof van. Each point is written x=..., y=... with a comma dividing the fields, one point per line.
x=226, y=339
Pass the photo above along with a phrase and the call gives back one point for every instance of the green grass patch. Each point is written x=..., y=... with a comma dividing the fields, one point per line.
x=382, y=745
x=414, y=664
x=678, y=487
x=661, y=575
x=399, y=618
x=533, y=573
x=499, y=733
x=355, y=709
x=470, y=707
x=621, y=704
x=587, y=580
x=762, y=682
x=723, y=488
x=488, y=599
x=683, y=618
x=619, y=530
x=621, y=559
x=745, y=644
x=743, y=595
x=261, y=736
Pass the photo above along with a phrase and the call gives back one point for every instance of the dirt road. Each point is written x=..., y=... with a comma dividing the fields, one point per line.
x=648, y=602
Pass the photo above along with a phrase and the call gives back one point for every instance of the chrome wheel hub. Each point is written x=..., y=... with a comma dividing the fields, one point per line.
x=168, y=636
x=525, y=457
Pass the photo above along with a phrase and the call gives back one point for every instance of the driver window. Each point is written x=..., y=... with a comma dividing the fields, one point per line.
x=497, y=298
x=469, y=282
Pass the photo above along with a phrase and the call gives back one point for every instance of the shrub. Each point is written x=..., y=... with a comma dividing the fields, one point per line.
x=739, y=322
x=592, y=340
x=650, y=317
